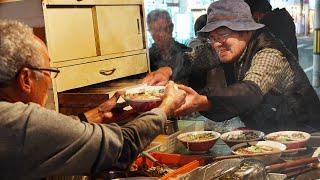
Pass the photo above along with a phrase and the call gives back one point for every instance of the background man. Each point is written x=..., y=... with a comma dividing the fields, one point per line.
x=182, y=64
x=166, y=55
x=204, y=59
x=36, y=142
x=271, y=91
x=279, y=22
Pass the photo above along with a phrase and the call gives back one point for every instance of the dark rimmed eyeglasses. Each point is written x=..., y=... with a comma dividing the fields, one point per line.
x=220, y=38
x=53, y=71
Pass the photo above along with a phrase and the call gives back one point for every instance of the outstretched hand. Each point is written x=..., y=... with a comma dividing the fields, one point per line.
x=103, y=113
x=193, y=102
x=159, y=77
x=111, y=103
x=173, y=98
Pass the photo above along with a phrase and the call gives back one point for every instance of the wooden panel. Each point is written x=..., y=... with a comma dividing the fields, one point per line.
x=6, y=1
x=97, y=58
x=40, y=33
x=119, y=28
x=90, y=73
x=81, y=99
x=75, y=103
x=71, y=2
x=70, y=33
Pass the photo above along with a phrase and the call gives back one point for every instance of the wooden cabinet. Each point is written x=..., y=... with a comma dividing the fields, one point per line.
x=119, y=28
x=70, y=33
x=94, y=41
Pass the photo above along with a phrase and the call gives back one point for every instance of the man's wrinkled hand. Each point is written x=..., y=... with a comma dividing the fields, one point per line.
x=103, y=113
x=110, y=103
x=173, y=98
x=193, y=102
x=159, y=77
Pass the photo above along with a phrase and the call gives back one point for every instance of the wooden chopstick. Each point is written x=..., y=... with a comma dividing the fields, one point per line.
x=294, y=163
x=261, y=154
x=301, y=171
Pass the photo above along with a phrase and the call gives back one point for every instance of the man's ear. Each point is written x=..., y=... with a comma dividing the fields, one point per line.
x=25, y=80
x=246, y=34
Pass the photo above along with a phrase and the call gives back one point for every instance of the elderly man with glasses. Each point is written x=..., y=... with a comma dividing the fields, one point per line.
x=36, y=142
x=267, y=88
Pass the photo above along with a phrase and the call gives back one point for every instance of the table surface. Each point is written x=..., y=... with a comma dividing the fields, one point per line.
x=220, y=148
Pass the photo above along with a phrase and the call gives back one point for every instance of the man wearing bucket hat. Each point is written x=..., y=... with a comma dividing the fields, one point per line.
x=268, y=90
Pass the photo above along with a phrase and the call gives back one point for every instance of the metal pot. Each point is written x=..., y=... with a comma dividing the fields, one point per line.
x=252, y=169
x=249, y=169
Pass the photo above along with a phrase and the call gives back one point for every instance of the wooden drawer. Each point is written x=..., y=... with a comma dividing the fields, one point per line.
x=70, y=2
x=81, y=75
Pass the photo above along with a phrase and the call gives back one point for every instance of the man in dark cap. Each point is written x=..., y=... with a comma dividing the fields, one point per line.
x=205, y=59
x=200, y=22
x=279, y=22
x=270, y=90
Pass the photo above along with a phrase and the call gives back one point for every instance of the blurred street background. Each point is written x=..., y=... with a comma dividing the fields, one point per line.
x=305, y=48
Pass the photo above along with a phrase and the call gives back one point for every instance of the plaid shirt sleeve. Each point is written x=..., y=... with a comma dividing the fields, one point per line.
x=267, y=69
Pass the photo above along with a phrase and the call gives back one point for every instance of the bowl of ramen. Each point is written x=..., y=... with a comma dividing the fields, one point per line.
x=199, y=141
x=270, y=150
x=144, y=98
x=239, y=136
x=292, y=139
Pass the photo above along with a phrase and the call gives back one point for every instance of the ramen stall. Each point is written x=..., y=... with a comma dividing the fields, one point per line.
x=100, y=47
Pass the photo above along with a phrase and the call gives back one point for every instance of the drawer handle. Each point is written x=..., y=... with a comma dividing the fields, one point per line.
x=107, y=72
x=138, y=24
x=79, y=0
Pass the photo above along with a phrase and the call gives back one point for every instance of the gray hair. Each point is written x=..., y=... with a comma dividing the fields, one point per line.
x=159, y=14
x=18, y=49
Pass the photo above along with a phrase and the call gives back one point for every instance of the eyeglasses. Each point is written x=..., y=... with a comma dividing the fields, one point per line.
x=219, y=37
x=53, y=71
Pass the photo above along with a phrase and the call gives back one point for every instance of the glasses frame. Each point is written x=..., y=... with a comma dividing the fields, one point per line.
x=54, y=70
x=221, y=38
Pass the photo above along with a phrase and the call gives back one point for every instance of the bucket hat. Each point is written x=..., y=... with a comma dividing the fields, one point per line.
x=234, y=14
